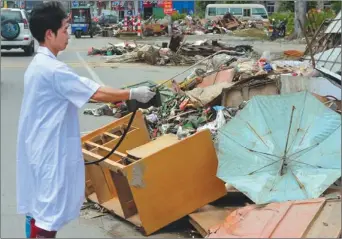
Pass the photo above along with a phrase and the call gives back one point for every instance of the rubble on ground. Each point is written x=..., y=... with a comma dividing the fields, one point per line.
x=177, y=53
x=220, y=25
x=187, y=26
x=249, y=103
x=213, y=93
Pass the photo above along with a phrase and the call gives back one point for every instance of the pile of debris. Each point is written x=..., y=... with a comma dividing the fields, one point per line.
x=187, y=26
x=276, y=128
x=219, y=25
x=212, y=95
x=176, y=53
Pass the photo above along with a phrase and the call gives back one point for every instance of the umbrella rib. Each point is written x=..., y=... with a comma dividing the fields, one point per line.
x=317, y=166
x=264, y=154
x=288, y=132
x=300, y=123
x=251, y=150
x=308, y=148
x=301, y=186
x=263, y=167
x=312, y=146
x=274, y=141
x=254, y=131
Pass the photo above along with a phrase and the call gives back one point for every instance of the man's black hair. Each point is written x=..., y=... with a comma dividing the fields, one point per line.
x=45, y=16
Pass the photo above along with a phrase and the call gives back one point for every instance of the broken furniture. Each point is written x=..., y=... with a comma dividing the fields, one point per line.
x=317, y=218
x=150, y=183
x=246, y=89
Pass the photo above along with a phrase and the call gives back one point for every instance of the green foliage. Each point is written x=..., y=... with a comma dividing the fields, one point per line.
x=200, y=8
x=336, y=6
x=287, y=6
x=237, y=2
x=176, y=16
x=317, y=17
x=200, y=14
x=311, y=5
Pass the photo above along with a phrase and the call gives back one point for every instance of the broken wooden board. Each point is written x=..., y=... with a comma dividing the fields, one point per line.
x=153, y=146
x=318, y=218
x=275, y=220
x=327, y=223
x=246, y=89
x=114, y=207
x=207, y=217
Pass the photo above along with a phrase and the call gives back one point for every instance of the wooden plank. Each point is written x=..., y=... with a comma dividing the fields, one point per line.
x=294, y=226
x=288, y=219
x=138, y=122
x=133, y=139
x=175, y=181
x=89, y=156
x=208, y=216
x=124, y=194
x=154, y=146
x=328, y=222
x=111, y=135
x=99, y=183
x=109, y=181
x=89, y=189
x=104, y=148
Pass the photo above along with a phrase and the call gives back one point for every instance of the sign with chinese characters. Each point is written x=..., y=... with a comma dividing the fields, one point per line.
x=168, y=7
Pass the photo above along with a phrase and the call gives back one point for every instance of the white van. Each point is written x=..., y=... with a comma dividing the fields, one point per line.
x=241, y=11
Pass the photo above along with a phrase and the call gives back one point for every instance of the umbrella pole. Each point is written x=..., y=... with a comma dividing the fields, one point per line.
x=283, y=159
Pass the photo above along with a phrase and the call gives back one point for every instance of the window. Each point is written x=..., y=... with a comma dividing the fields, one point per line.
x=212, y=11
x=270, y=7
x=246, y=12
x=13, y=15
x=259, y=12
x=79, y=16
x=236, y=11
x=327, y=5
x=221, y=11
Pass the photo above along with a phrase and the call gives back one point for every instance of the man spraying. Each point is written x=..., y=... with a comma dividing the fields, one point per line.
x=50, y=166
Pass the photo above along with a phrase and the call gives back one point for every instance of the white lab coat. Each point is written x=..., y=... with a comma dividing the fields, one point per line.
x=50, y=166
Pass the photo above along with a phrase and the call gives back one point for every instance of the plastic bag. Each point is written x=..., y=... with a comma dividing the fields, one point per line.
x=220, y=120
x=266, y=56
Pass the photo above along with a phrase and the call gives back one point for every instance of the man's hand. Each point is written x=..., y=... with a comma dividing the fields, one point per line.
x=142, y=94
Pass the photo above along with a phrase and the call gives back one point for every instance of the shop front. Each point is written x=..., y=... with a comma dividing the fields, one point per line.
x=153, y=7
x=123, y=8
x=158, y=8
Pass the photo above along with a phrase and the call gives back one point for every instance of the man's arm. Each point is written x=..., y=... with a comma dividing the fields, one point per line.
x=110, y=95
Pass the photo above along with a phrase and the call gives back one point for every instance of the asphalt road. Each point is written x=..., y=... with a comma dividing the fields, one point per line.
x=13, y=66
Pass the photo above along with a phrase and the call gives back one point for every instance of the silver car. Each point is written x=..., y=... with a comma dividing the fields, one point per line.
x=15, y=32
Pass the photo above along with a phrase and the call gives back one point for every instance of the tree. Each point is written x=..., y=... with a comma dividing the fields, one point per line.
x=286, y=6
x=300, y=15
x=200, y=7
x=336, y=6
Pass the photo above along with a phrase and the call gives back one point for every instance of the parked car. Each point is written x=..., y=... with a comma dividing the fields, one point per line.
x=15, y=32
